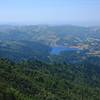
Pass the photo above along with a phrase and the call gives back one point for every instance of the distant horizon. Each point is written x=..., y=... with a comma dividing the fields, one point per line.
x=48, y=25
x=57, y=24
x=52, y=12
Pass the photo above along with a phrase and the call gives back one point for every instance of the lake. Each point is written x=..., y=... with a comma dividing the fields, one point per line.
x=58, y=50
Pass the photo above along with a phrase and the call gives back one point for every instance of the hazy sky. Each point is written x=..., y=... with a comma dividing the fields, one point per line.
x=79, y=12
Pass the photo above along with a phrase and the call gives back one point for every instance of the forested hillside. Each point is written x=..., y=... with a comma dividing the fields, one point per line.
x=35, y=80
x=49, y=62
x=49, y=49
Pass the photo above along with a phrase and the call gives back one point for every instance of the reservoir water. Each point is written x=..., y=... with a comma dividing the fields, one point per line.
x=58, y=50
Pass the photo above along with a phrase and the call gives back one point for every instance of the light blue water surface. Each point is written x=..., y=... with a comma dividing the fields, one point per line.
x=58, y=50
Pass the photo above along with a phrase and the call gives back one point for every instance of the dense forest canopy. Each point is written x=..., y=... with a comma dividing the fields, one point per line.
x=35, y=80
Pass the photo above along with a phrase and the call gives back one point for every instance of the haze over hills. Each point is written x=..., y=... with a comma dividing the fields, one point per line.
x=82, y=41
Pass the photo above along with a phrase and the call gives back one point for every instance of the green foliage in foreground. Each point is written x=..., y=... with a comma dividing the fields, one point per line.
x=36, y=80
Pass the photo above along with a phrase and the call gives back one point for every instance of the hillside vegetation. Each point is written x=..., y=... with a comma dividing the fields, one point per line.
x=35, y=80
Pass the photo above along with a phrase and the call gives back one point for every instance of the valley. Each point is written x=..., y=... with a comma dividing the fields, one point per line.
x=82, y=41
x=41, y=62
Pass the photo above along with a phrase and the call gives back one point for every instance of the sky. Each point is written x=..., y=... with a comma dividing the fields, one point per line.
x=76, y=12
